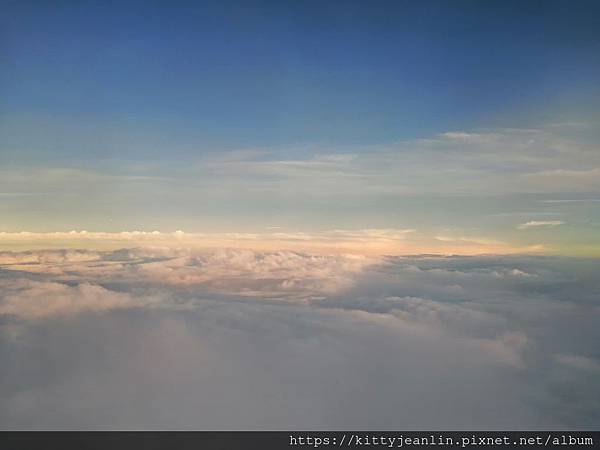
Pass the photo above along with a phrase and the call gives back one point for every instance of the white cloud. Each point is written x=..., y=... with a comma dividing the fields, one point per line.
x=540, y=223
x=37, y=300
x=98, y=339
x=280, y=274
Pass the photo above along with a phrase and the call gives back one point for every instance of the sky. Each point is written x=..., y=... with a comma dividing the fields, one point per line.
x=474, y=123
x=375, y=215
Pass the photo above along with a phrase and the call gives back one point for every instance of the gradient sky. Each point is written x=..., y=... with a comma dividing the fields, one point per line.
x=402, y=127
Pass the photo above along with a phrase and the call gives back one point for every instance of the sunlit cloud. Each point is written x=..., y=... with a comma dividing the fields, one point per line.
x=214, y=322
x=371, y=241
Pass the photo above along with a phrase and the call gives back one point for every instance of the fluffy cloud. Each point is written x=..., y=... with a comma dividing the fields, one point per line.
x=35, y=300
x=47, y=257
x=280, y=274
x=162, y=338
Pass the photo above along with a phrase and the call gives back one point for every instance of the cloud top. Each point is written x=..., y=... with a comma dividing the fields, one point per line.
x=368, y=241
x=98, y=339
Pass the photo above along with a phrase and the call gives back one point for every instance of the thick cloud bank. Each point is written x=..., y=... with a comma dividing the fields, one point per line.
x=155, y=338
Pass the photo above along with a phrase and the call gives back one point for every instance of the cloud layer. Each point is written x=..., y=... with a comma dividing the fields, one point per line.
x=370, y=241
x=162, y=338
x=473, y=188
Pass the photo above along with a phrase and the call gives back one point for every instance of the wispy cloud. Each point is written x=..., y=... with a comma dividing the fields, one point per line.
x=573, y=200
x=540, y=223
x=579, y=362
x=497, y=161
x=372, y=188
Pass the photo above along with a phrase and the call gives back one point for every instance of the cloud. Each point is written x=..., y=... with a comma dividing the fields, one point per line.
x=47, y=257
x=573, y=200
x=540, y=223
x=178, y=338
x=378, y=193
x=282, y=274
x=367, y=241
x=500, y=161
x=579, y=362
x=362, y=240
x=36, y=300
x=576, y=180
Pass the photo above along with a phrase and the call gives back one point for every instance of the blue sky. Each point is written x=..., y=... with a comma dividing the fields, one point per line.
x=309, y=116
x=230, y=74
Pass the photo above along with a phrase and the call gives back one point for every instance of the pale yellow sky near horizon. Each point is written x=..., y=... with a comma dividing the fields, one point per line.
x=366, y=241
